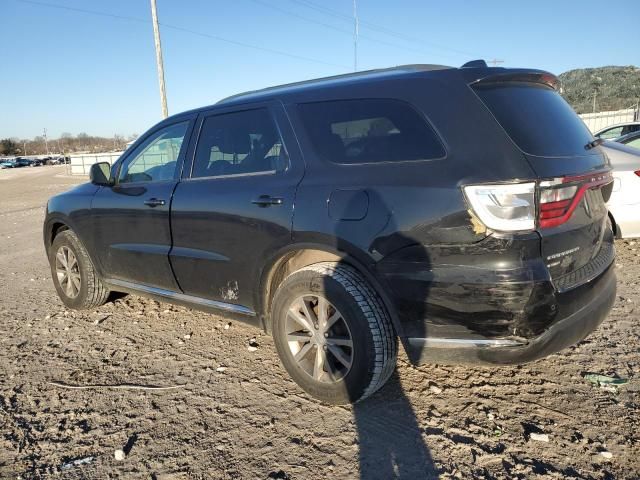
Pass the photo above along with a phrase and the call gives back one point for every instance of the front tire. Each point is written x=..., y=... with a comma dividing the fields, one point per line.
x=74, y=275
x=332, y=333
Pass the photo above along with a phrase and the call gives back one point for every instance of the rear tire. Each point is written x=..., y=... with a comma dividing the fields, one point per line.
x=74, y=275
x=340, y=356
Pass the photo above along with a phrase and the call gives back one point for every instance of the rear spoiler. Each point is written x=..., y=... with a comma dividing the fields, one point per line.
x=492, y=76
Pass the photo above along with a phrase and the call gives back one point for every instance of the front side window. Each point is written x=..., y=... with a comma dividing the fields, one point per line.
x=239, y=143
x=369, y=131
x=157, y=158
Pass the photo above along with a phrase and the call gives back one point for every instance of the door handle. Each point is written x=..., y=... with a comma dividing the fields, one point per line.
x=154, y=202
x=267, y=200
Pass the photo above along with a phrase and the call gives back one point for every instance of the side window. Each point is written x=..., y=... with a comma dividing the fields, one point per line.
x=156, y=159
x=634, y=143
x=239, y=143
x=611, y=133
x=369, y=131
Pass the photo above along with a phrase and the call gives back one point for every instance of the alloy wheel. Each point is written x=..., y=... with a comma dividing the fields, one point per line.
x=68, y=272
x=319, y=338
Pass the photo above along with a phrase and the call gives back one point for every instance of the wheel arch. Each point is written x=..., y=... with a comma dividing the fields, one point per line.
x=617, y=233
x=53, y=226
x=298, y=256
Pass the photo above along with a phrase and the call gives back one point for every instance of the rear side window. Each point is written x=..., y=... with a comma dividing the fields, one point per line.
x=369, y=131
x=611, y=133
x=536, y=118
x=239, y=143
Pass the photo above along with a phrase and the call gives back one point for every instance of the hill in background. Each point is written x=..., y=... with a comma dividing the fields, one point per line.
x=616, y=88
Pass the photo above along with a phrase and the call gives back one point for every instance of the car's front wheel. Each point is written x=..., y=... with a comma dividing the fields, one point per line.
x=332, y=333
x=74, y=275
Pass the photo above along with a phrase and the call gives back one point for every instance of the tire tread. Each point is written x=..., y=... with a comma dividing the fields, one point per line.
x=97, y=292
x=384, y=338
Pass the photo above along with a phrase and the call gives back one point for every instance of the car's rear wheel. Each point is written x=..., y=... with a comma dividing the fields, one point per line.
x=332, y=333
x=74, y=275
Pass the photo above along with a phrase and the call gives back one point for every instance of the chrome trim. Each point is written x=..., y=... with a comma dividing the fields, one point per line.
x=228, y=307
x=433, y=342
x=234, y=175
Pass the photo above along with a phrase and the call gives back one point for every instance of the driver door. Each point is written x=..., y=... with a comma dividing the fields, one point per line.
x=131, y=218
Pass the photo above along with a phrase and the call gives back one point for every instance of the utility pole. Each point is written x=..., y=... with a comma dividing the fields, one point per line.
x=355, y=36
x=24, y=147
x=159, y=63
x=595, y=94
x=495, y=62
x=46, y=144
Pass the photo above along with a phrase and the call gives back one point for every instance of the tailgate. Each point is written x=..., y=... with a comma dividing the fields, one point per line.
x=573, y=173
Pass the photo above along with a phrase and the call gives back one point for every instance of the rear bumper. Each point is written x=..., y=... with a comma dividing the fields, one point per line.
x=579, y=312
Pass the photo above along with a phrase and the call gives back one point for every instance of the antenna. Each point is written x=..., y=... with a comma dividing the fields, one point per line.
x=355, y=36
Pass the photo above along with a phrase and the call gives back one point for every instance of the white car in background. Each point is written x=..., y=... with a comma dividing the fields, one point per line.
x=613, y=131
x=624, y=204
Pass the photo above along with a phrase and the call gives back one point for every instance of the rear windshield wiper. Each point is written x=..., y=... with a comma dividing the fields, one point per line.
x=595, y=143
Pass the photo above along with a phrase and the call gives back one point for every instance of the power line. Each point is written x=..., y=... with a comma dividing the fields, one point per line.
x=342, y=30
x=186, y=30
x=378, y=28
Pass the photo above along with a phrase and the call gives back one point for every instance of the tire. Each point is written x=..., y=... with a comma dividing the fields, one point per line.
x=361, y=317
x=91, y=292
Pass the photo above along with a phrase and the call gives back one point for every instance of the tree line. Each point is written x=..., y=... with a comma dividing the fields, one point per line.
x=66, y=143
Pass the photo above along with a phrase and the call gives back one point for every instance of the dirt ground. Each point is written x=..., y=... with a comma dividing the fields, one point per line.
x=250, y=421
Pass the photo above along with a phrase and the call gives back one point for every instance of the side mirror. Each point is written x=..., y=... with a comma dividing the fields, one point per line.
x=100, y=174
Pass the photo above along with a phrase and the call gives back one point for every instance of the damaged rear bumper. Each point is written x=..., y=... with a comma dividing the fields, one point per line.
x=580, y=311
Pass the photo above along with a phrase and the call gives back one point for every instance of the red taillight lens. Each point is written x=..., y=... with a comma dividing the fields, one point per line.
x=560, y=197
x=637, y=172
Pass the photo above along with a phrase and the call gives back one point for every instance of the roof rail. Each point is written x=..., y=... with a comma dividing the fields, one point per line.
x=337, y=78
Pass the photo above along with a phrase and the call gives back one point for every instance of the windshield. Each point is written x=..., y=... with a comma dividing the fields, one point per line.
x=536, y=118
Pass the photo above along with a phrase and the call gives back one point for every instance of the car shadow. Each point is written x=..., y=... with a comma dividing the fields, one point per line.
x=391, y=442
x=390, y=439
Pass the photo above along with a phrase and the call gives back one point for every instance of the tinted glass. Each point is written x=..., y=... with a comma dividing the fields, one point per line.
x=369, y=131
x=611, y=133
x=239, y=143
x=156, y=159
x=634, y=143
x=537, y=119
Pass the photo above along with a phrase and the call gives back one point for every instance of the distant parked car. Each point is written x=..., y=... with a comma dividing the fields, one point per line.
x=614, y=131
x=624, y=204
x=37, y=162
x=8, y=164
x=24, y=162
x=630, y=139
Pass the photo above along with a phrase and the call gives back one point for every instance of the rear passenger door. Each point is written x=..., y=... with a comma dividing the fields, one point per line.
x=233, y=209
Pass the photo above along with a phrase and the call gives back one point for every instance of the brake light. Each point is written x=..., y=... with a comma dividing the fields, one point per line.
x=637, y=172
x=560, y=197
x=506, y=207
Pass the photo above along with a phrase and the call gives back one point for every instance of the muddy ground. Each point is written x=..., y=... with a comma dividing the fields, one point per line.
x=249, y=420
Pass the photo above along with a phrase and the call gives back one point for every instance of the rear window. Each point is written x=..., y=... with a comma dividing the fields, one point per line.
x=369, y=131
x=536, y=118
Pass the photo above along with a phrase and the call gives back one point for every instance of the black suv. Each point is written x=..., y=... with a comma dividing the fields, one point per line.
x=459, y=209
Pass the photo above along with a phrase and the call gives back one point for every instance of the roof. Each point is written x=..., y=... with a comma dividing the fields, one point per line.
x=349, y=78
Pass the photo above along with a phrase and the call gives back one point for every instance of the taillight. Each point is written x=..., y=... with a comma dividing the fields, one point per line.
x=637, y=172
x=512, y=207
x=560, y=197
x=508, y=207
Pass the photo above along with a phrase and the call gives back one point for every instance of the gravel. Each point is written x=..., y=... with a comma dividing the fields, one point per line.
x=252, y=421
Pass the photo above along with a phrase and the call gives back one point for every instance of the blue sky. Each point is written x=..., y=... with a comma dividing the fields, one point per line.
x=72, y=71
